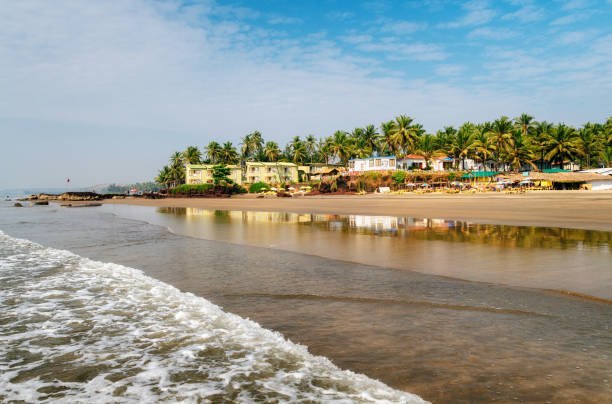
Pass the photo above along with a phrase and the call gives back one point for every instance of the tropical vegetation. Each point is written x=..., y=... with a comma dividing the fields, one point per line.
x=505, y=142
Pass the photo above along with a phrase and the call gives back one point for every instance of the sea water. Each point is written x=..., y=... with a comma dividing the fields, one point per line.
x=75, y=329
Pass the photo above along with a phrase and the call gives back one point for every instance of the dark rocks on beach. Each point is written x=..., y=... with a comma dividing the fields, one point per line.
x=18, y=205
x=283, y=194
x=41, y=203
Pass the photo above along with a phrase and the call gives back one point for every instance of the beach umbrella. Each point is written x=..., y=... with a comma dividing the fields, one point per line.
x=425, y=185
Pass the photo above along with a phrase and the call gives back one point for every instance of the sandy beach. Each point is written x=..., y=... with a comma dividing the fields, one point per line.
x=569, y=209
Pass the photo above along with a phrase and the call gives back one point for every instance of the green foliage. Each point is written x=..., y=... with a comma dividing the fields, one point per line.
x=258, y=187
x=185, y=189
x=220, y=174
x=399, y=177
x=141, y=186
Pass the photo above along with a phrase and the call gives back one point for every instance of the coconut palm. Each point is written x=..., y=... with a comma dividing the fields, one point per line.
x=587, y=142
x=213, y=151
x=445, y=138
x=427, y=148
x=310, y=144
x=340, y=146
x=228, y=154
x=192, y=155
x=520, y=151
x=540, y=137
x=387, y=145
x=163, y=176
x=501, y=132
x=483, y=146
x=272, y=151
x=403, y=134
x=526, y=124
x=463, y=143
x=297, y=150
x=176, y=159
x=561, y=144
x=371, y=139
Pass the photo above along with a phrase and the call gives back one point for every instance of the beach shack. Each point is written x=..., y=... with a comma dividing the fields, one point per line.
x=412, y=162
x=378, y=163
x=203, y=173
x=480, y=177
x=442, y=163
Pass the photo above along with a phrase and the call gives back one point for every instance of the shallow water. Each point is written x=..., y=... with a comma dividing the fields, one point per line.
x=578, y=261
x=445, y=339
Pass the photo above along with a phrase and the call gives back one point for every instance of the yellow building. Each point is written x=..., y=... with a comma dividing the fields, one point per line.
x=271, y=173
x=202, y=173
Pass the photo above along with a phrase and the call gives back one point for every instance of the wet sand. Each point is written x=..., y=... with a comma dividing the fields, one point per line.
x=590, y=210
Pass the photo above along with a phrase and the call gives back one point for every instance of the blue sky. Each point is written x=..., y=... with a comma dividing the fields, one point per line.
x=104, y=91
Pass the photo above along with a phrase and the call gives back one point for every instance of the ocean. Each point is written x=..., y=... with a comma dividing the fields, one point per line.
x=141, y=304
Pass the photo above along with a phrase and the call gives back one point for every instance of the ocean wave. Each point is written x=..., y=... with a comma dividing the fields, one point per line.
x=74, y=329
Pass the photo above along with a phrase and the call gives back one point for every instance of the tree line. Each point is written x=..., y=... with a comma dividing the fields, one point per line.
x=514, y=142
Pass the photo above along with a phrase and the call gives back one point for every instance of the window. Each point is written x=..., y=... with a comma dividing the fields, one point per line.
x=371, y=163
x=269, y=169
x=378, y=162
x=392, y=162
x=252, y=169
x=351, y=164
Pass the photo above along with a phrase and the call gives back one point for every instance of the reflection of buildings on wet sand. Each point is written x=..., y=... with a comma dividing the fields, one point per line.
x=377, y=223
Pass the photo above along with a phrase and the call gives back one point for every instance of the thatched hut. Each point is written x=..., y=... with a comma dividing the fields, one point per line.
x=567, y=180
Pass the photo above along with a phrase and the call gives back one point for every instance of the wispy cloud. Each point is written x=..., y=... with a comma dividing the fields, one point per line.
x=449, y=70
x=339, y=15
x=525, y=14
x=571, y=18
x=401, y=27
x=283, y=20
x=576, y=4
x=478, y=13
x=492, y=33
x=399, y=51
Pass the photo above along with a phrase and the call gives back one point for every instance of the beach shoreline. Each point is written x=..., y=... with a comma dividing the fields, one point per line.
x=589, y=210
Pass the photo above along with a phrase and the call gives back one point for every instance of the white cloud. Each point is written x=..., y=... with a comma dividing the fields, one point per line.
x=282, y=20
x=478, y=13
x=401, y=27
x=573, y=37
x=492, y=33
x=400, y=51
x=525, y=14
x=576, y=4
x=449, y=70
x=571, y=18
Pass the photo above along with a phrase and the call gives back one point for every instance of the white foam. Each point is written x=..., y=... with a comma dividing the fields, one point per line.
x=133, y=338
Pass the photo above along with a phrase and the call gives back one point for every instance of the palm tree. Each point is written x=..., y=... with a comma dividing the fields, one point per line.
x=213, y=151
x=324, y=150
x=462, y=143
x=387, y=145
x=482, y=145
x=540, y=138
x=526, y=124
x=257, y=142
x=163, y=176
x=519, y=151
x=588, y=143
x=297, y=150
x=403, y=134
x=561, y=143
x=192, y=155
x=427, y=148
x=228, y=154
x=445, y=138
x=176, y=159
x=310, y=145
x=340, y=146
x=501, y=132
x=606, y=156
x=272, y=151
x=371, y=138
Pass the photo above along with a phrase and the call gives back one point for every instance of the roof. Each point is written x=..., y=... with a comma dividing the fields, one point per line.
x=209, y=166
x=562, y=177
x=554, y=170
x=328, y=171
x=375, y=157
x=271, y=163
x=480, y=174
x=602, y=171
x=414, y=157
x=442, y=158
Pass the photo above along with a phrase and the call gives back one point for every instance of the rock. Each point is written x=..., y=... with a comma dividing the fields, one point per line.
x=18, y=205
x=283, y=194
x=41, y=203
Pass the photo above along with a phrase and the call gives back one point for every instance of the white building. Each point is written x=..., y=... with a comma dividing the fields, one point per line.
x=379, y=163
x=412, y=162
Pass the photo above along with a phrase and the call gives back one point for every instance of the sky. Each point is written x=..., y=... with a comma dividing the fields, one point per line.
x=104, y=91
